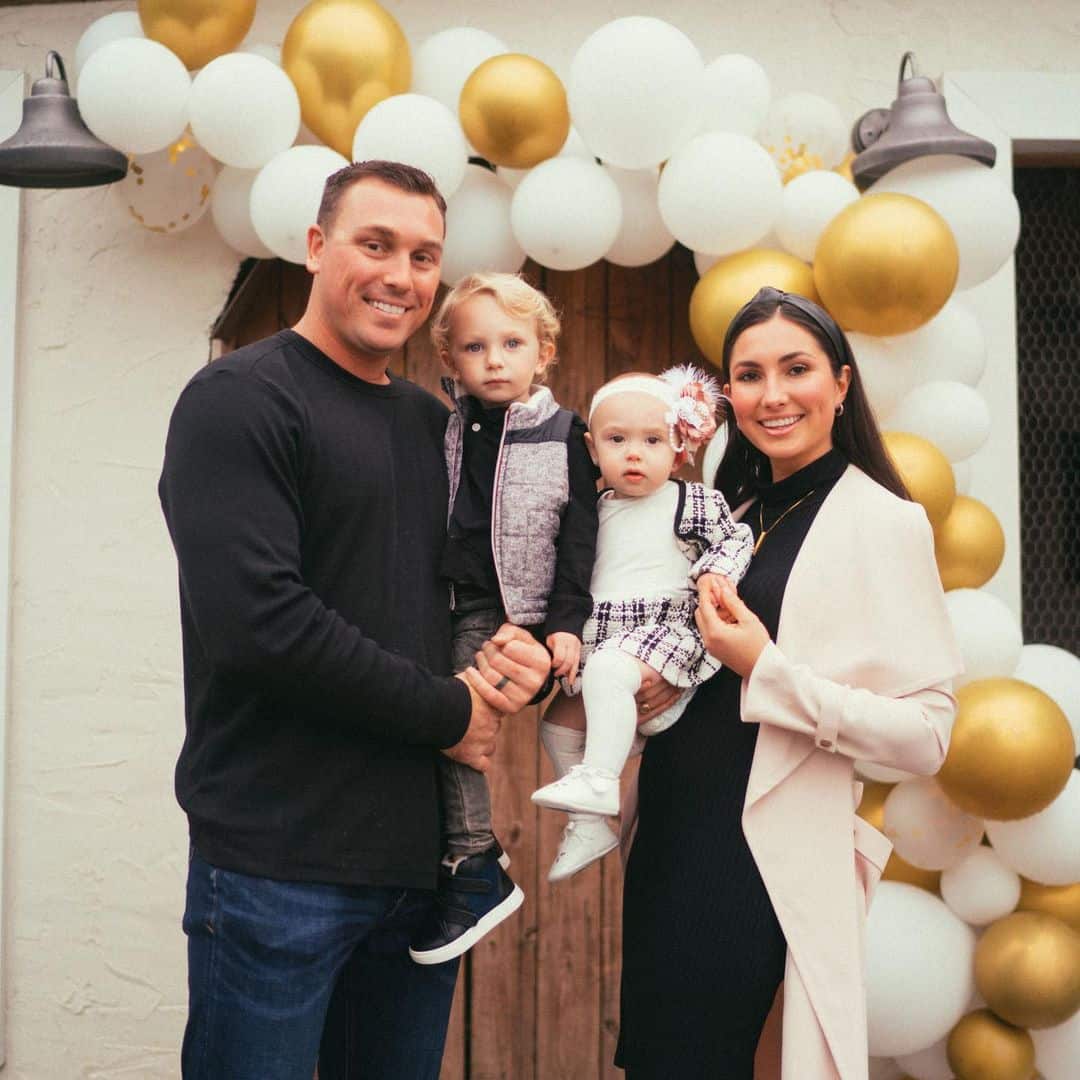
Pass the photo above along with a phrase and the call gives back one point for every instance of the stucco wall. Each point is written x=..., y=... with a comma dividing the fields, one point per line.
x=111, y=322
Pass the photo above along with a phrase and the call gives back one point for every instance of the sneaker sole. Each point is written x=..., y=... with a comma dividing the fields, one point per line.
x=563, y=875
x=554, y=803
x=484, y=925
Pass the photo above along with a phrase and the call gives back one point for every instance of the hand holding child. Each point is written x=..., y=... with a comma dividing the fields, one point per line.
x=711, y=589
x=565, y=653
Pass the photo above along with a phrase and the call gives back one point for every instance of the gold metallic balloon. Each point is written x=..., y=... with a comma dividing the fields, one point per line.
x=983, y=1047
x=1061, y=901
x=872, y=807
x=926, y=473
x=344, y=56
x=513, y=110
x=969, y=544
x=1011, y=750
x=886, y=264
x=197, y=30
x=728, y=284
x=1027, y=969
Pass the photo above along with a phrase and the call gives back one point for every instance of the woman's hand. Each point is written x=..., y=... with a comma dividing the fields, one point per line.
x=736, y=644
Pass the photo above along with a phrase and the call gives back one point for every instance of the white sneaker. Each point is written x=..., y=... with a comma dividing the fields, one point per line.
x=585, y=789
x=584, y=840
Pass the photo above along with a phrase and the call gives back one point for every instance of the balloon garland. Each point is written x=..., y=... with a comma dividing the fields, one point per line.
x=761, y=192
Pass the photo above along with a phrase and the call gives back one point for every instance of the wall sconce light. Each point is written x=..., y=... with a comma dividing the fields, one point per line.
x=917, y=125
x=53, y=147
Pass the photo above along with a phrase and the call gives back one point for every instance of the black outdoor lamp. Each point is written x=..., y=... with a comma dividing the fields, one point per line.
x=53, y=148
x=917, y=125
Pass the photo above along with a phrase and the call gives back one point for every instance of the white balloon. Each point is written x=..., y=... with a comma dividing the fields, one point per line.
x=418, y=131
x=1056, y=672
x=808, y=204
x=987, y=632
x=735, y=95
x=478, y=232
x=573, y=147
x=266, y=51
x=244, y=110
x=927, y=829
x=114, y=27
x=884, y=774
x=887, y=375
x=566, y=213
x=929, y=1064
x=720, y=193
x=919, y=976
x=805, y=125
x=714, y=451
x=443, y=64
x=950, y=347
x=133, y=94
x=635, y=91
x=643, y=236
x=962, y=473
x=954, y=417
x=230, y=207
x=1046, y=846
x=1057, y=1049
x=885, y=1069
x=981, y=888
x=975, y=202
x=167, y=191
x=285, y=197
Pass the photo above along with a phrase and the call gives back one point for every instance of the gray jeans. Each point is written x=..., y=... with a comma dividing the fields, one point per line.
x=465, y=797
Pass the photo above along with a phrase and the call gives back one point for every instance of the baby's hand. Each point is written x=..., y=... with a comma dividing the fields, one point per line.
x=710, y=591
x=565, y=653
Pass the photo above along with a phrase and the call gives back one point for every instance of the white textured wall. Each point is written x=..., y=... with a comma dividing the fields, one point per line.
x=111, y=323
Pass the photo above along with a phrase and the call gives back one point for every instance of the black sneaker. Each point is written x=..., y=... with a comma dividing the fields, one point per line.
x=474, y=895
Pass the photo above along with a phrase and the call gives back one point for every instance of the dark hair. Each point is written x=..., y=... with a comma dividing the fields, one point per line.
x=855, y=432
x=405, y=178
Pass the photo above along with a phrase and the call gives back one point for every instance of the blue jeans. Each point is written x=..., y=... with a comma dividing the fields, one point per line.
x=264, y=958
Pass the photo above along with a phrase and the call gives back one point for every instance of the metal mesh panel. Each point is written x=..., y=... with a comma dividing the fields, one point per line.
x=1048, y=339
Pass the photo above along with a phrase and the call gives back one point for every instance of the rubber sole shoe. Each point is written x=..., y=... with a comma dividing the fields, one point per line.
x=474, y=896
x=584, y=840
x=584, y=790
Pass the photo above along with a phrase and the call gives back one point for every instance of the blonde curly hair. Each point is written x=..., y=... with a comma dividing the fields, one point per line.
x=512, y=293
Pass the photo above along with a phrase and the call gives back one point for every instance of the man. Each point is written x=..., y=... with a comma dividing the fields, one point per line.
x=305, y=492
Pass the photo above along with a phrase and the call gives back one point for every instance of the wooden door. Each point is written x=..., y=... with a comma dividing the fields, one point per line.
x=538, y=999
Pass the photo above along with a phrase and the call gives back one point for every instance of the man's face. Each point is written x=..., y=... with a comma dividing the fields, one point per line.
x=376, y=267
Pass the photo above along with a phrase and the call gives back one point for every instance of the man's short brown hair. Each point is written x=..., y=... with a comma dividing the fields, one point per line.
x=405, y=178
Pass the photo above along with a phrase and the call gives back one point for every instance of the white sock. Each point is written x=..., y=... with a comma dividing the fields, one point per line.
x=608, y=685
x=565, y=746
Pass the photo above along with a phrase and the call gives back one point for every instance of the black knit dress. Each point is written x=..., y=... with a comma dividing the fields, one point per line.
x=703, y=953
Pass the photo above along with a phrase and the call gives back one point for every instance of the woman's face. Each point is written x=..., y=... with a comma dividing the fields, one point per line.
x=784, y=393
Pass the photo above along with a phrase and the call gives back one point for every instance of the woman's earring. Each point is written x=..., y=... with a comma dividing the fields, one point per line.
x=840, y=409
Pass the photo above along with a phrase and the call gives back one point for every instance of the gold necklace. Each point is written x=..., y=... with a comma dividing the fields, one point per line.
x=761, y=518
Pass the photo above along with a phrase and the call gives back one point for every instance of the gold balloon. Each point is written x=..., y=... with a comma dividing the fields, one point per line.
x=982, y=1047
x=926, y=473
x=1027, y=968
x=197, y=30
x=969, y=545
x=513, y=110
x=886, y=264
x=1011, y=750
x=1061, y=901
x=872, y=806
x=344, y=56
x=800, y=165
x=728, y=284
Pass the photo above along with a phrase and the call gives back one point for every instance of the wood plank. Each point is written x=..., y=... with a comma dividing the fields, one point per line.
x=639, y=318
x=568, y=966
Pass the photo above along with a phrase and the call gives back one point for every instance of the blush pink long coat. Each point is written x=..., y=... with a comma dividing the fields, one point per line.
x=861, y=669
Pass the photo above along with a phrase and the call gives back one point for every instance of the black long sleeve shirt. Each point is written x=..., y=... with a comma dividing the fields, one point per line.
x=308, y=512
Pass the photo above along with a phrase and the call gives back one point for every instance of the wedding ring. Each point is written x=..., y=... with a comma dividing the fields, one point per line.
x=645, y=707
x=502, y=682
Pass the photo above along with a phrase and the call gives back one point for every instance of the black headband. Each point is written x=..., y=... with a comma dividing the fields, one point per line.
x=817, y=314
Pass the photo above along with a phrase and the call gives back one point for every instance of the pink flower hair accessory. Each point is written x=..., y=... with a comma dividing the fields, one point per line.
x=692, y=419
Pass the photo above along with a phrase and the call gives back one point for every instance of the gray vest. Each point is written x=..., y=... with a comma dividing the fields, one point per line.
x=529, y=494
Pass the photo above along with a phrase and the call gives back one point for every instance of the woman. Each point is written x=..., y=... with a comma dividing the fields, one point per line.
x=748, y=866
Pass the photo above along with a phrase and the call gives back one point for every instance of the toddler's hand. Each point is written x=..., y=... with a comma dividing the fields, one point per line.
x=711, y=591
x=565, y=653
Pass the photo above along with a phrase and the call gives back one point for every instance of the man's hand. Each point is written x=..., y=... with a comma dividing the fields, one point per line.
x=565, y=653
x=513, y=666
x=655, y=695
x=477, y=745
